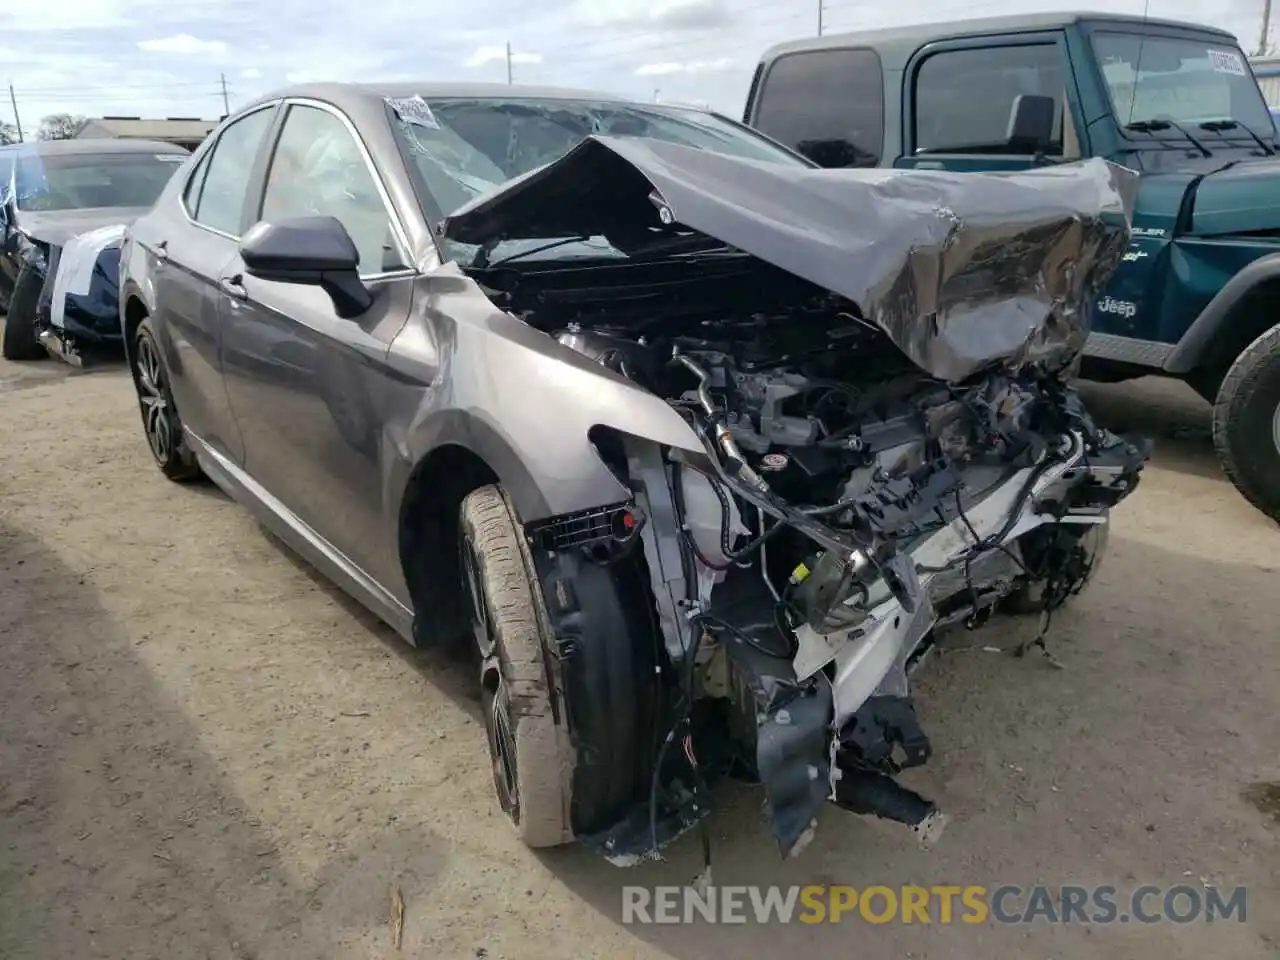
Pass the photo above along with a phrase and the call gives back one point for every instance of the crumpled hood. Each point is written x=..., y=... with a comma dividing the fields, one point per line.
x=58, y=226
x=962, y=271
x=1243, y=197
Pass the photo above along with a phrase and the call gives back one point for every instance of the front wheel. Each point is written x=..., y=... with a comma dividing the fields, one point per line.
x=20, y=342
x=532, y=761
x=160, y=421
x=1246, y=423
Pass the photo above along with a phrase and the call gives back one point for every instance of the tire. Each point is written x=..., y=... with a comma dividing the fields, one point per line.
x=160, y=421
x=20, y=341
x=1028, y=597
x=1246, y=423
x=532, y=760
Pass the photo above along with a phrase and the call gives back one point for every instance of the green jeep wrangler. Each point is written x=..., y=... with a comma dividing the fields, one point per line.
x=1198, y=294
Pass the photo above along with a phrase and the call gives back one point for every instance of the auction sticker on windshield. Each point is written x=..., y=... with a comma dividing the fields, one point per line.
x=1224, y=61
x=414, y=110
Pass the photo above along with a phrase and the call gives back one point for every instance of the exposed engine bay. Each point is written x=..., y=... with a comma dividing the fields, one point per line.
x=844, y=511
x=883, y=441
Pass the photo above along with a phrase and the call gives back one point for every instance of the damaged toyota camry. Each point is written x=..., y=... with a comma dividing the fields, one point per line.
x=696, y=447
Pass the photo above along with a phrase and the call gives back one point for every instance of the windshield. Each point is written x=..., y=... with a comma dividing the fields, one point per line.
x=84, y=181
x=1186, y=81
x=462, y=148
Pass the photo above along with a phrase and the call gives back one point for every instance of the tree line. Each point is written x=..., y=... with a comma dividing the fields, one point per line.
x=56, y=126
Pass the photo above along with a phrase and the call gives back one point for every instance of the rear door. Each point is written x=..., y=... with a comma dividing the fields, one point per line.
x=306, y=384
x=958, y=95
x=189, y=257
x=825, y=104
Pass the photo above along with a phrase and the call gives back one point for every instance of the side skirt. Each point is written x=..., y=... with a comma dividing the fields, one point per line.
x=301, y=538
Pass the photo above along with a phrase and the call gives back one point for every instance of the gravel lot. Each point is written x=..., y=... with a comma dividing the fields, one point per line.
x=206, y=751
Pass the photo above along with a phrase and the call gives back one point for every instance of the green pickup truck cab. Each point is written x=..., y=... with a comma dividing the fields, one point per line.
x=1198, y=294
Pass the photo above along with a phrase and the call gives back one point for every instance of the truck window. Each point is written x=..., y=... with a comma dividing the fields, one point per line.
x=826, y=104
x=963, y=97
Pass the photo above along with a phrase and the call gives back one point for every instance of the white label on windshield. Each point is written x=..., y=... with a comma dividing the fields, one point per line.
x=171, y=157
x=414, y=110
x=1224, y=61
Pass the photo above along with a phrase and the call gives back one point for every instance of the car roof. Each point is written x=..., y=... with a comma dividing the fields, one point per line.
x=351, y=97
x=896, y=45
x=91, y=147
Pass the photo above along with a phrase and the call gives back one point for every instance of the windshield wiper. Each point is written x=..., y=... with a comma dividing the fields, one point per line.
x=521, y=254
x=1150, y=126
x=1217, y=126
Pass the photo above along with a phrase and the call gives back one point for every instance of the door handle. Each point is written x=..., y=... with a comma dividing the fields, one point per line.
x=161, y=250
x=234, y=287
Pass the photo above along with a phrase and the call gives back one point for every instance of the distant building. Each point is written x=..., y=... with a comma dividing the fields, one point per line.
x=1267, y=70
x=187, y=132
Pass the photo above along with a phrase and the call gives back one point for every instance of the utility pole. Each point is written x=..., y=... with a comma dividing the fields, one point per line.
x=1264, y=41
x=508, y=62
x=820, y=16
x=17, y=120
x=226, y=104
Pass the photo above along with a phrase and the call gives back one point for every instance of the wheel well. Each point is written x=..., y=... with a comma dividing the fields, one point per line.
x=1255, y=312
x=134, y=313
x=429, y=539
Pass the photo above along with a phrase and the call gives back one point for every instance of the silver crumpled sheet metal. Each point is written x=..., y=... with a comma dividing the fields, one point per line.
x=964, y=272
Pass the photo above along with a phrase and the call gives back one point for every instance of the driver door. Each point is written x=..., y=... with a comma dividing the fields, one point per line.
x=307, y=386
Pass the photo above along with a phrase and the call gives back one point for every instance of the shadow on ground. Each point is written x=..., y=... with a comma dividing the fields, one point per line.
x=81, y=718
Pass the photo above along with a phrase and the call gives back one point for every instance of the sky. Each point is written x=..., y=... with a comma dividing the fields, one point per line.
x=168, y=58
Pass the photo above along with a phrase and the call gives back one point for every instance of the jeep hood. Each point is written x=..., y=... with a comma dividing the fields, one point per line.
x=56, y=227
x=1241, y=197
x=961, y=271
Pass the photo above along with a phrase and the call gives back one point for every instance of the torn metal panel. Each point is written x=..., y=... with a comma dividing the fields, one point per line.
x=962, y=271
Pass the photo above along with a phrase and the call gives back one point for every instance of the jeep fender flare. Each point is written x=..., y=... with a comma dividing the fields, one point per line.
x=1204, y=330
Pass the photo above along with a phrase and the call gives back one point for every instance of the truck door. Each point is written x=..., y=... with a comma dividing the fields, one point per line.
x=826, y=104
x=958, y=95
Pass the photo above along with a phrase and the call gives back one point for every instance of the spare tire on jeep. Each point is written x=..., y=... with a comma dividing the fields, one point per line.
x=1246, y=423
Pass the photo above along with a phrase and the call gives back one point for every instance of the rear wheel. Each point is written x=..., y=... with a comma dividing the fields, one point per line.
x=1246, y=423
x=532, y=760
x=19, y=342
x=160, y=421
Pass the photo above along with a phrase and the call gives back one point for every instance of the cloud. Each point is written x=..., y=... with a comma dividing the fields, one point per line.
x=668, y=68
x=183, y=44
x=250, y=73
x=487, y=54
x=672, y=15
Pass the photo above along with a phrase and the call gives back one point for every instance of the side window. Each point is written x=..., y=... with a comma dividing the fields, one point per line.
x=230, y=164
x=963, y=97
x=318, y=169
x=828, y=105
x=191, y=193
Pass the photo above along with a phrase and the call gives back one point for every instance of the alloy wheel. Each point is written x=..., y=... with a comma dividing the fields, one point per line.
x=155, y=405
x=499, y=727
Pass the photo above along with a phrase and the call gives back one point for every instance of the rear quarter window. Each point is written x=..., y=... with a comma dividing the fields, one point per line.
x=826, y=104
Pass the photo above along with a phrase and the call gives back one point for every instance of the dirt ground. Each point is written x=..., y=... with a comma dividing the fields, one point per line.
x=206, y=751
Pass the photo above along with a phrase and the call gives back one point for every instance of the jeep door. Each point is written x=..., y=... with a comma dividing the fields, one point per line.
x=958, y=95
x=305, y=384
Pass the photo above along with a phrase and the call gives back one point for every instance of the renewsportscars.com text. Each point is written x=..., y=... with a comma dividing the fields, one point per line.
x=941, y=904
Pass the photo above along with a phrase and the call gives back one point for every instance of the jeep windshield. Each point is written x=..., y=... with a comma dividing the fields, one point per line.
x=462, y=148
x=1158, y=84
x=85, y=181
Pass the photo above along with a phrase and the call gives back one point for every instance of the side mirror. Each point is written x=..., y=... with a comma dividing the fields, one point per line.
x=311, y=250
x=1031, y=123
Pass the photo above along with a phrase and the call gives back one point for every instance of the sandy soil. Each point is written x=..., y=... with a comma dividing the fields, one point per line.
x=206, y=751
